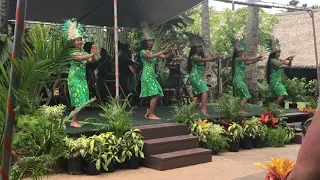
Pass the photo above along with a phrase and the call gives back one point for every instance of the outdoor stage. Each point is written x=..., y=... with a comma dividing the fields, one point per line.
x=165, y=112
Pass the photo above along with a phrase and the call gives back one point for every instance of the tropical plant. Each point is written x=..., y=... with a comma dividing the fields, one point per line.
x=118, y=117
x=185, y=114
x=267, y=118
x=296, y=89
x=103, y=149
x=46, y=151
x=131, y=145
x=235, y=132
x=275, y=109
x=278, y=169
x=76, y=147
x=290, y=132
x=251, y=127
x=230, y=107
x=197, y=130
x=217, y=130
x=216, y=142
x=276, y=137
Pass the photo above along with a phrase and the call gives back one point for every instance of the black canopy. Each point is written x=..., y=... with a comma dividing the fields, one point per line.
x=100, y=12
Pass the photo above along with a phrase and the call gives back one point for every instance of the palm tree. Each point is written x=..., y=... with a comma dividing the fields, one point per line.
x=252, y=41
x=4, y=9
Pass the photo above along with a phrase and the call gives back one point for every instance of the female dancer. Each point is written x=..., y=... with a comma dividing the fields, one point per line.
x=275, y=73
x=77, y=83
x=196, y=66
x=150, y=87
x=239, y=63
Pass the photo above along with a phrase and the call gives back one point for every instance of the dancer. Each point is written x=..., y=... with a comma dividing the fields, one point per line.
x=196, y=67
x=150, y=87
x=77, y=83
x=275, y=72
x=239, y=63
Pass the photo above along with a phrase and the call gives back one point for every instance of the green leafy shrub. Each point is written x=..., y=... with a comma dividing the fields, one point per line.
x=276, y=137
x=186, y=114
x=216, y=142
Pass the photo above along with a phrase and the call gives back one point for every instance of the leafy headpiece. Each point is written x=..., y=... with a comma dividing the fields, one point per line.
x=194, y=39
x=73, y=29
x=240, y=45
x=273, y=45
x=144, y=31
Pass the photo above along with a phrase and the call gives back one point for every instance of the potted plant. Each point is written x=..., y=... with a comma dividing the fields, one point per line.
x=132, y=148
x=257, y=142
x=235, y=132
x=111, y=152
x=76, y=150
x=254, y=131
x=250, y=129
x=216, y=143
x=290, y=132
x=97, y=154
x=200, y=128
x=216, y=139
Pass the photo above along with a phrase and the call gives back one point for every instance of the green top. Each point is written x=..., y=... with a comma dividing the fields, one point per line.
x=197, y=67
x=276, y=70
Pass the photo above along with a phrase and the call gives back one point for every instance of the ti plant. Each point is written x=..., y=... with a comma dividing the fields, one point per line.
x=131, y=145
x=235, y=131
x=251, y=127
x=200, y=129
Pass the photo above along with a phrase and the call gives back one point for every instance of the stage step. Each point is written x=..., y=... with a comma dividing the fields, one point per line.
x=298, y=139
x=163, y=130
x=170, y=144
x=179, y=159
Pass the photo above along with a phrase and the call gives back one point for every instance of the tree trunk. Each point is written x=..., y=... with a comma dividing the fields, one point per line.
x=4, y=10
x=252, y=42
x=205, y=21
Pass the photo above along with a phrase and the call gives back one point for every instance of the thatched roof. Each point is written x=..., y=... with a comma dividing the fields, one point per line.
x=296, y=37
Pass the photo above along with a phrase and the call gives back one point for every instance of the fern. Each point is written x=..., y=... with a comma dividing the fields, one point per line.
x=185, y=114
x=230, y=107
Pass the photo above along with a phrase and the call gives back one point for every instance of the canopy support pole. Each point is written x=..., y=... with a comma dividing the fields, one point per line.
x=11, y=101
x=116, y=50
x=315, y=50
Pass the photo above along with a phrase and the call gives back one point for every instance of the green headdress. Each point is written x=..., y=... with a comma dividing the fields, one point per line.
x=144, y=31
x=73, y=29
x=273, y=45
x=194, y=39
x=240, y=45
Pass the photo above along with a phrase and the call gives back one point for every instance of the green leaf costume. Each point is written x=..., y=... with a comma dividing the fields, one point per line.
x=149, y=84
x=276, y=86
x=196, y=77
x=77, y=83
x=239, y=85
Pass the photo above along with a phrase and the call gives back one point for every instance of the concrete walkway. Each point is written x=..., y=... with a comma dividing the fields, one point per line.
x=227, y=166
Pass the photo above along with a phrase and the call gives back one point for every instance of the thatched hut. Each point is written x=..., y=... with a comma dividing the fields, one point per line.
x=296, y=37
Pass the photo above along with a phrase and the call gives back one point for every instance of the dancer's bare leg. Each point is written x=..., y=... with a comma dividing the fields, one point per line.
x=279, y=100
x=204, y=100
x=242, y=103
x=153, y=104
x=75, y=123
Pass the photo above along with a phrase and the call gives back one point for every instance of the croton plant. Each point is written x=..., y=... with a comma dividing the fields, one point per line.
x=278, y=169
x=268, y=118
